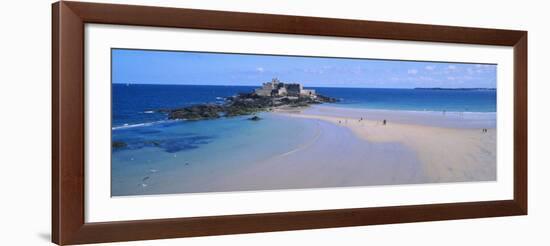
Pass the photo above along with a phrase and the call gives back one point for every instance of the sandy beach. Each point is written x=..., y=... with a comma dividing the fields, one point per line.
x=344, y=147
x=353, y=150
x=447, y=154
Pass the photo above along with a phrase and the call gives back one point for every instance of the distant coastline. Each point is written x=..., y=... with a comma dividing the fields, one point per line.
x=454, y=89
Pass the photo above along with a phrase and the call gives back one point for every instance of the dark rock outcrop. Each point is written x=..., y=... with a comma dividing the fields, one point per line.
x=119, y=145
x=254, y=118
x=197, y=112
x=325, y=99
x=153, y=143
x=242, y=104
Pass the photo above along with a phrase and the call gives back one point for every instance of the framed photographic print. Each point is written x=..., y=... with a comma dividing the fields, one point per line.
x=176, y=122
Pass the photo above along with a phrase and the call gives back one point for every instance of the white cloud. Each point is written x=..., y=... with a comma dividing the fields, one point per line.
x=451, y=67
x=412, y=71
x=430, y=68
x=260, y=69
x=426, y=79
x=485, y=68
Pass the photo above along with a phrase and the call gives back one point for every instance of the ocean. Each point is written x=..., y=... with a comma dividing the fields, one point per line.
x=414, y=99
x=156, y=147
x=135, y=104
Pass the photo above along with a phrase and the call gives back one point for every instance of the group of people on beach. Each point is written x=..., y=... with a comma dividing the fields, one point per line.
x=384, y=122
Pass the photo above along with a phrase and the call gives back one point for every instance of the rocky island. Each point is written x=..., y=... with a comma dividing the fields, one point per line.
x=271, y=95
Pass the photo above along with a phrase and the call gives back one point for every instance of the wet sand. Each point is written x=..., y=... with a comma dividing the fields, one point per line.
x=446, y=152
x=344, y=147
x=336, y=157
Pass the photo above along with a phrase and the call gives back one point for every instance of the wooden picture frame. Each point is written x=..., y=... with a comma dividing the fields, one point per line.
x=68, y=110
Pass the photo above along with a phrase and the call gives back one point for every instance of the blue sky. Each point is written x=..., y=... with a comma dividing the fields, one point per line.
x=176, y=67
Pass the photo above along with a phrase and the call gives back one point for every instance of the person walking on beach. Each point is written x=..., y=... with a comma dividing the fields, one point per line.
x=384, y=122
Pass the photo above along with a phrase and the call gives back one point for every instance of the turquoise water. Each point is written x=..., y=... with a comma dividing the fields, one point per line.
x=163, y=156
x=414, y=99
x=201, y=148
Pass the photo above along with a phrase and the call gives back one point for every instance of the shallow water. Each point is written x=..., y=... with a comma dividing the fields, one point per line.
x=200, y=148
x=335, y=158
x=163, y=157
x=278, y=152
x=425, y=118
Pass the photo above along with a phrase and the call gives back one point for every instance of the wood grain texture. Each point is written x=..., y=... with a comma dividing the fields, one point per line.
x=68, y=120
x=520, y=122
x=68, y=224
x=252, y=22
x=55, y=123
x=233, y=224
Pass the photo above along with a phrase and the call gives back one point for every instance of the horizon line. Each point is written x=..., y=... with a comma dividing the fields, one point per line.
x=438, y=87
